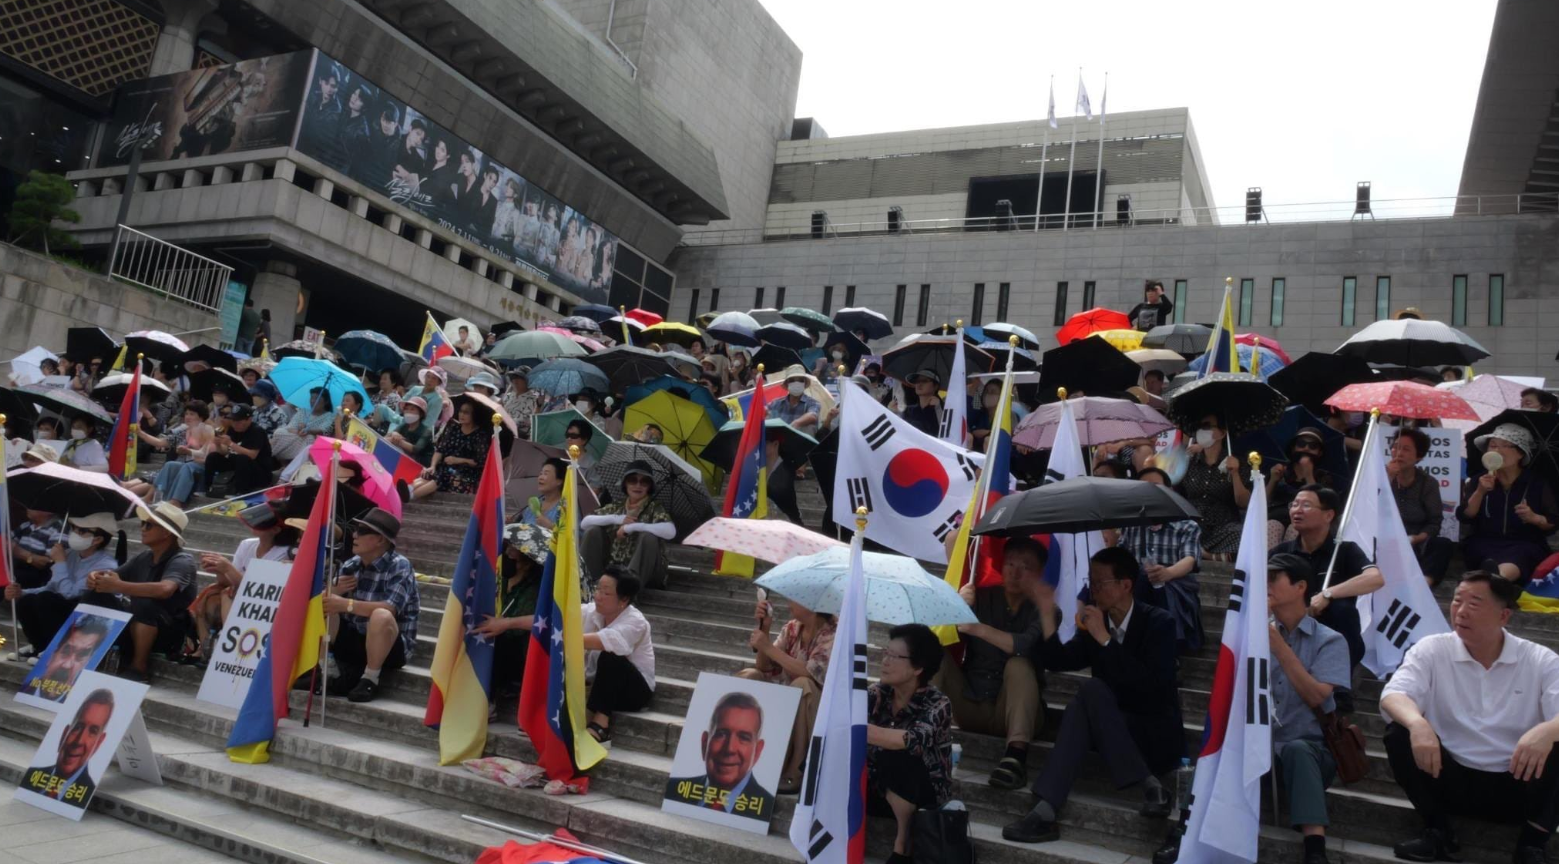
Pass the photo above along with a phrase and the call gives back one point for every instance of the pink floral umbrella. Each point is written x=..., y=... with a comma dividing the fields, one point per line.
x=378, y=486
x=769, y=540
x=586, y=341
x=1487, y=394
x=1100, y=420
x=1403, y=399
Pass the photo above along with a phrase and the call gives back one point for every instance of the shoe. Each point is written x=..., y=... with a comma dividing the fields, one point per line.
x=28, y=653
x=1529, y=855
x=364, y=691
x=32, y=661
x=137, y=676
x=1031, y=829
x=789, y=786
x=1432, y=845
x=1009, y=774
x=896, y=858
x=1169, y=853
x=1157, y=803
x=1317, y=857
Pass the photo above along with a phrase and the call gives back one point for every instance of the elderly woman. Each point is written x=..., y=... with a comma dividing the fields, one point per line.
x=83, y=450
x=630, y=532
x=519, y=573
x=272, y=541
x=1214, y=483
x=546, y=506
x=1418, y=500
x=1510, y=510
x=457, y=457
x=909, y=734
x=42, y=610
x=798, y=657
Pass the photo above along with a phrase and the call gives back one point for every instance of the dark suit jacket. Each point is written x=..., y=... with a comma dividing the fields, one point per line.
x=752, y=792
x=1142, y=673
x=44, y=775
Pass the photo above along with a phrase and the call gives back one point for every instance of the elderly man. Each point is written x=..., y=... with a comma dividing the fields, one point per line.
x=732, y=747
x=797, y=408
x=1170, y=554
x=1312, y=513
x=156, y=587
x=68, y=779
x=377, y=601
x=1474, y=717
x=1310, y=663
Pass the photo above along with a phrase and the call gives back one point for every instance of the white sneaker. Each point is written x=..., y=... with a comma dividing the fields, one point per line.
x=32, y=661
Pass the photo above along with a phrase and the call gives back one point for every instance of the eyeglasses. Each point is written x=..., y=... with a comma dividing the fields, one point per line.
x=1303, y=505
x=886, y=655
x=1096, y=584
x=148, y=524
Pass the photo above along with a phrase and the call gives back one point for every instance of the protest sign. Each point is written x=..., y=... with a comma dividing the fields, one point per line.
x=244, y=635
x=64, y=773
x=77, y=647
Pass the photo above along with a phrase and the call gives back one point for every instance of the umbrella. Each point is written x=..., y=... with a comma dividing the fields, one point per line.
x=1022, y=360
x=786, y=335
x=1407, y=373
x=616, y=323
x=696, y=393
x=452, y=327
x=525, y=462
x=772, y=357
x=463, y=368
x=1315, y=376
x=973, y=334
x=1413, y=342
x=682, y=363
x=84, y=343
x=1001, y=330
x=686, y=427
x=211, y=356
x=160, y=346
x=1099, y=421
x=735, y=328
x=1243, y=401
x=503, y=327
x=378, y=486
x=677, y=484
x=1162, y=359
x=1488, y=395
x=534, y=346
x=261, y=364
x=673, y=333
x=794, y=444
x=1403, y=399
x=766, y=316
x=860, y=318
x=808, y=319
x=1085, y=504
x=581, y=324
x=898, y=591
x=919, y=351
x=486, y=407
x=1272, y=441
x=569, y=375
x=596, y=312
x=854, y=348
x=771, y=540
x=26, y=367
x=350, y=503
x=300, y=348
x=110, y=391
x=1085, y=366
x=577, y=338
x=56, y=488
x=1267, y=343
x=16, y=408
x=550, y=428
x=627, y=365
x=294, y=377
x=368, y=349
x=1121, y=340
x=1545, y=431
x=645, y=317
x=1186, y=339
x=65, y=402
x=1271, y=363
x=202, y=383
x=1090, y=321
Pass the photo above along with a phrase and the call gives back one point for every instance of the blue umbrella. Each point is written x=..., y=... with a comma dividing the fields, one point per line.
x=368, y=349
x=595, y=312
x=296, y=376
x=898, y=591
x=568, y=375
x=1270, y=361
x=695, y=393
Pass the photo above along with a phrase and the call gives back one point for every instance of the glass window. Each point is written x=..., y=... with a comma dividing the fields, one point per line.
x=1382, y=298
x=1350, y=290
x=828, y=299
x=976, y=315
x=923, y=305
x=1247, y=300
x=1060, y=316
x=692, y=306
x=1459, y=300
x=849, y=296
x=1003, y=295
x=1180, y=300
x=757, y=297
x=1088, y=295
x=900, y=294
x=779, y=297
x=714, y=299
x=1279, y=284
x=1496, y=300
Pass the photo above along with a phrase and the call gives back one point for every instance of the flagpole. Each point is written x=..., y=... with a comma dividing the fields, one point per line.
x=5, y=542
x=1066, y=219
x=1353, y=488
x=1098, y=186
x=627, y=337
x=215, y=504
x=327, y=533
x=497, y=579
x=1044, y=152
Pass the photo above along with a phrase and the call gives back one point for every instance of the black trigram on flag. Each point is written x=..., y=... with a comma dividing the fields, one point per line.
x=1398, y=624
x=1257, y=708
x=858, y=669
x=1051, y=476
x=949, y=526
x=967, y=465
x=860, y=494
x=1237, y=591
x=878, y=432
x=820, y=839
x=947, y=424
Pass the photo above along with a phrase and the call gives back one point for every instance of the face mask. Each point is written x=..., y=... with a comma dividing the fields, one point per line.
x=582, y=407
x=411, y=417
x=1204, y=437
x=838, y=355
x=78, y=434
x=796, y=388
x=45, y=435
x=79, y=543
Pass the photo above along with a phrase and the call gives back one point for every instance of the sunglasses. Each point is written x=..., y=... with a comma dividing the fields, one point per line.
x=574, y=436
x=637, y=480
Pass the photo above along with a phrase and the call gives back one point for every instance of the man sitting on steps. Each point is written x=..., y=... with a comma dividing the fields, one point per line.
x=377, y=603
x=155, y=587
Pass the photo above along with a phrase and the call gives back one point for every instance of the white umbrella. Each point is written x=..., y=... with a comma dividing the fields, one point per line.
x=462, y=368
x=1004, y=329
x=898, y=591
x=27, y=367
x=1168, y=362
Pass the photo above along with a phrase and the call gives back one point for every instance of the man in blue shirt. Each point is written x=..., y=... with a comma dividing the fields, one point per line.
x=797, y=408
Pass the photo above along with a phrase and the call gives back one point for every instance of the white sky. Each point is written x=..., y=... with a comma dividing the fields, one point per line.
x=1302, y=99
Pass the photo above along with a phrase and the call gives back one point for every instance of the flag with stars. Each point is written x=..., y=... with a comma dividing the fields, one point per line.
x=552, y=696
x=747, y=493
x=462, y=668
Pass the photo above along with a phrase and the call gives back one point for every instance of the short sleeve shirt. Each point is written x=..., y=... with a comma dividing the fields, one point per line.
x=1324, y=654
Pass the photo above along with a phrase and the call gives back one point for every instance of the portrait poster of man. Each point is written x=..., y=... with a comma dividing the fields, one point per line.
x=79, y=646
x=732, y=749
x=65, y=772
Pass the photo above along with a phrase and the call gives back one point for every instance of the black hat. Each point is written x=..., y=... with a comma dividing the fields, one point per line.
x=638, y=466
x=1296, y=566
x=240, y=411
x=380, y=522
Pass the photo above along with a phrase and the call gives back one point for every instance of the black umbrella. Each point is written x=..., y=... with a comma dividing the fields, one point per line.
x=794, y=444
x=1187, y=340
x=680, y=492
x=919, y=351
x=499, y=330
x=854, y=348
x=1243, y=401
x=627, y=365
x=773, y=358
x=110, y=392
x=785, y=335
x=61, y=489
x=17, y=408
x=216, y=358
x=1545, y=430
x=1085, y=366
x=1413, y=342
x=66, y=403
x=300, y=348
x=971, y=335
x=159, y=346
x=298, y=503
x=202, y=384
x=1313, y=378
x=1084, y=504
x=1406, y=373
x=860, y=318
x=84, y=343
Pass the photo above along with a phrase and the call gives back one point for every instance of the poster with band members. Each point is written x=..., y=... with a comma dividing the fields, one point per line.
x=248, y=105
x=77, y=647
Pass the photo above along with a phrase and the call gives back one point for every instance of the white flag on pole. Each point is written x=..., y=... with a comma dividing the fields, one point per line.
x=1225, y=817
x=1069, y=553
x=955, y=408
x=1052, y=118
x=1404, y=610
x=1083, y=107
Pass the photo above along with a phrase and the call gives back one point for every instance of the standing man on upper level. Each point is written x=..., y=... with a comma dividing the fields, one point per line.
x=1155, y=309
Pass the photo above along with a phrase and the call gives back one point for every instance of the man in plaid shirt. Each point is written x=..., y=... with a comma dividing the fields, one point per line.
x=1170, y=554
x=377, y=604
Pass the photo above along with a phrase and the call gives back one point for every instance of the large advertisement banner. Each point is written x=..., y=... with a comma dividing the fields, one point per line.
x=248, y=105
x=353, y=126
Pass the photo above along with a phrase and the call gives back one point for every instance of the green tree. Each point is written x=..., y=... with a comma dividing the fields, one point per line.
x=40, y=202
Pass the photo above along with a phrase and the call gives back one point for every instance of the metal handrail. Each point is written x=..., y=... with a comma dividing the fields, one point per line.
x=164, y=268
x=1270, y=214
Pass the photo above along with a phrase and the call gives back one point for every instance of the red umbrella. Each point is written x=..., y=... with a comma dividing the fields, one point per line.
x=1403, y=399
x=1267, y=343
x=1091, y=321
x=645, y=317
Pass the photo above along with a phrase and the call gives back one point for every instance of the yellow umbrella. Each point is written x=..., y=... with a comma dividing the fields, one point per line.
x=685, y=428
x=1123, y=340
x=671, y=331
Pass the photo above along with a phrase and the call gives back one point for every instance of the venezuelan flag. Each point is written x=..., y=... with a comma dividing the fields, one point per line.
x=741, y=404
x=463, y=660
x=747, y=493
x=296, y=633
x=552, y=697
x=434, y=345
x=1222, y=355
x=121, y=444
x=1542, y=593
x=399, y=465
x=995, y=482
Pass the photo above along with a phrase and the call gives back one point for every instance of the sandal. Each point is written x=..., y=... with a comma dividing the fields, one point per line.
x=1009, y=774
x=601, y=734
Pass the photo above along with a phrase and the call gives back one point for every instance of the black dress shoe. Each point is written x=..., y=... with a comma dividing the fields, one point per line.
x=1168, y=853
x=1530, y=855
x=1432, y=845
x=364, y=691
x=1156, y=803
x=1031, y=829
x=1316, y=857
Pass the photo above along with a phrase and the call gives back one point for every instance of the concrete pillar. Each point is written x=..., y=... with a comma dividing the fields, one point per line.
x=176, y=45
x=555, y=302
x=221, y=174
x=113, y=185
x=358, y=205
x=276, y=287
x=192, y=178
x=424, y=238
x=393, y=223
x=452, y=252
x=253, y=171
x=530, y=291
x=324, y=188
x=86, y=189
x=165, y=180
x=506, y=279
x=481, y=267
x=286, y=169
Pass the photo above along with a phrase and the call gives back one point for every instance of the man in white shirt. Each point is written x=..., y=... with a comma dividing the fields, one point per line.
x=1475, y=715
x=619, y=653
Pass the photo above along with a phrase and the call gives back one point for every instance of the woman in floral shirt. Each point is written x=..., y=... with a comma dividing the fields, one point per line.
x=909, y=733
x=520, y=401
x=798, y=657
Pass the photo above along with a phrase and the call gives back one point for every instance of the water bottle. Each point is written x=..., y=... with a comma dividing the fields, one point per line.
x=1185, y=775
x=958, y=752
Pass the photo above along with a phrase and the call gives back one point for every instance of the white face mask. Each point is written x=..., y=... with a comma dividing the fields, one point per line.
x=44, y=436
x=411, y=417
x=582, y=407
x=796, y=388
x=78, y=434
x=838, y=355
x=1205, y=438
x=79, y=542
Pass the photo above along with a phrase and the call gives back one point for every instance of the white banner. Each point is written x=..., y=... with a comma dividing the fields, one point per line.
x=243, y=637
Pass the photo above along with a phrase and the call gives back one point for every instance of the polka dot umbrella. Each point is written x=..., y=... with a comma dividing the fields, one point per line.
x=1403, y=399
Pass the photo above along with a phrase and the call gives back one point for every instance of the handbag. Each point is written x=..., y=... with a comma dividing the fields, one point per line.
x=941, y=837
x=1346, y=743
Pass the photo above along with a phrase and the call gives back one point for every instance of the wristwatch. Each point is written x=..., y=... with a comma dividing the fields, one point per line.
x=1327, y=593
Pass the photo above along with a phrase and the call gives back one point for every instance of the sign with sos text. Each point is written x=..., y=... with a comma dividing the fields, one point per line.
x=244, y=635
